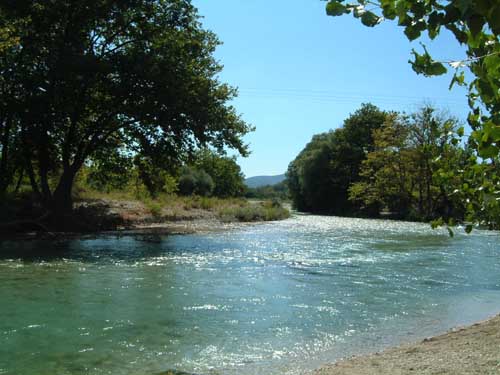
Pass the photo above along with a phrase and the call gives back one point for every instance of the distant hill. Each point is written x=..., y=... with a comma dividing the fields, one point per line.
x=258, y=181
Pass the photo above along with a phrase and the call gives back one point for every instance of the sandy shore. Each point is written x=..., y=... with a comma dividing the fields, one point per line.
x=470, y=350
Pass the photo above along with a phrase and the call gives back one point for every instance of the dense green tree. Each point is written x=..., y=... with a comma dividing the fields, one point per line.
x=88, y=75
x=320, y=176
x=195, y=182
x=224, y=170
x=403, y=172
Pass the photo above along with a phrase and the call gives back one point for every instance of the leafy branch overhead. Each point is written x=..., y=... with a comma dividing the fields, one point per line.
x=475, y=24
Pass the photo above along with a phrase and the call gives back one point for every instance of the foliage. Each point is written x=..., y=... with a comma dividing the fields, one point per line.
x=476, y=25
x=266, y=211
x=278, y=191
x=193, y=181
x=225, y=172
x=403, y=173
x=83, y=77
x=155, y=208
x=320, y=176
x=111, y=171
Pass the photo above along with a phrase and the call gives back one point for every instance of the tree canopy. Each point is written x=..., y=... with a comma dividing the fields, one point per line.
x=403, y=172
x=81, y=79
x=320, y=176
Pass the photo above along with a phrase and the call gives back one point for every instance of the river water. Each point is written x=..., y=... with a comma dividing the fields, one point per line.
x=275, y=298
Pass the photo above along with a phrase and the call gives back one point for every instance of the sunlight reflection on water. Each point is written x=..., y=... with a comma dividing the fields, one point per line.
x=277, y=298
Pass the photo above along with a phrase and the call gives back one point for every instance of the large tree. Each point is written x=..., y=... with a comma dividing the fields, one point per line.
x=320, y=176
x=224, y=170
x=84, y=76
x=404, y=172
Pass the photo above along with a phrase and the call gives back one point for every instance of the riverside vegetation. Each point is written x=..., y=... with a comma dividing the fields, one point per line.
x=409, y=166
x=118, y=197
x=113, y=94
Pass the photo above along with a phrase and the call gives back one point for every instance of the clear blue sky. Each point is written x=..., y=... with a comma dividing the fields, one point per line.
x=300, y=72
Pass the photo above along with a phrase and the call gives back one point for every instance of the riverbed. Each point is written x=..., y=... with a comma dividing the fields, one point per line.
x=274, y=298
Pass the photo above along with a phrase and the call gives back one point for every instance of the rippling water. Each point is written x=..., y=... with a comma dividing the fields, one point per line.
x=277, y=298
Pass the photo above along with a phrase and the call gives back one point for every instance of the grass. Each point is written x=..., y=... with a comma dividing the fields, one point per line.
x=155, y=208
x=171, y=207
x=265, y=211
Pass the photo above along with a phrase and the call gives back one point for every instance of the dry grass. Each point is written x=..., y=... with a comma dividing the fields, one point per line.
x=168, y=207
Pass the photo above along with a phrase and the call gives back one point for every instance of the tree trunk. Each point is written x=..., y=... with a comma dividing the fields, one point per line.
x=62, y=201
x=19, y=181
x=31, y=175
x=5, y=176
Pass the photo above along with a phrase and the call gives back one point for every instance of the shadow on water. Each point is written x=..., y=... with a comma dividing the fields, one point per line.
x=103, y=249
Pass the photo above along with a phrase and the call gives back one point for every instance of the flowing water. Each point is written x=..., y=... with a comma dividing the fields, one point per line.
x=276, y=298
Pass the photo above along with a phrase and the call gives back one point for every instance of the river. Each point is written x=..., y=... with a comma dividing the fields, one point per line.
x=275, y=298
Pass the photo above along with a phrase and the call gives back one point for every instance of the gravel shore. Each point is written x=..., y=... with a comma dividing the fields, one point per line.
x=470, y=350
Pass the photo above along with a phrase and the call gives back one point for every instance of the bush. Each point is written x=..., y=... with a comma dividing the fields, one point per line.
x=193, y=181
x=265, y=211
x=155, y=208
x=187, y=184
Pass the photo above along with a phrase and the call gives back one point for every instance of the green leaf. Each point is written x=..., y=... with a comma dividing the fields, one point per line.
x=458, y=78
x=464, y=5
x=436, y=69
x=495, y=133
x=412, y=32
x=461, y=131
x=370, y=19
x=388, y=9
x=335, y=8
x=475, y=24
x=494, y=19
x=488, y=151
x=424, y=64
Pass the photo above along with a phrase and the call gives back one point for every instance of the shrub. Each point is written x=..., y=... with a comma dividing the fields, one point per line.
x=254, y=212
x=193, y=181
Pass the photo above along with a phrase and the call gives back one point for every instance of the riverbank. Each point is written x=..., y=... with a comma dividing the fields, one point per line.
x=469, y=350
x=166, y=215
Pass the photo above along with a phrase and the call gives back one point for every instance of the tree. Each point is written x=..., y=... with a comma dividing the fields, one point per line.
x=386, y=178
x=320, y=176
x=111, y=169
x=404, y=171
x=88, y=75
x=193, y=181
x=476, y=25
x=224, y=170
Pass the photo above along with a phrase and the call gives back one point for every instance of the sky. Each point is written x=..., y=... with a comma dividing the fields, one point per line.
x=300, y=72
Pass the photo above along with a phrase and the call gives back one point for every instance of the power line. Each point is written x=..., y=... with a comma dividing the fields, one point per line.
x=323, y=96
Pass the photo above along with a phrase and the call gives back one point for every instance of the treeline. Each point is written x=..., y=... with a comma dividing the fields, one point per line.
x=278, y=192
x=410, y=166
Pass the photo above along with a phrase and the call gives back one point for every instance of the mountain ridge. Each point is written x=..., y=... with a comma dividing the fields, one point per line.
x=258, y=181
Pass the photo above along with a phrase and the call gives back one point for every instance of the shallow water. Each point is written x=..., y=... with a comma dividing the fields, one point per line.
x=277, y=298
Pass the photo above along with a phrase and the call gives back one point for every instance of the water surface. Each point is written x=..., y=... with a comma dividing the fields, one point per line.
x=276, y=298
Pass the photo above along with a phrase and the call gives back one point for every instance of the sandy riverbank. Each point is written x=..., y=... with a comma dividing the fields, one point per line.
x=470, y=350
